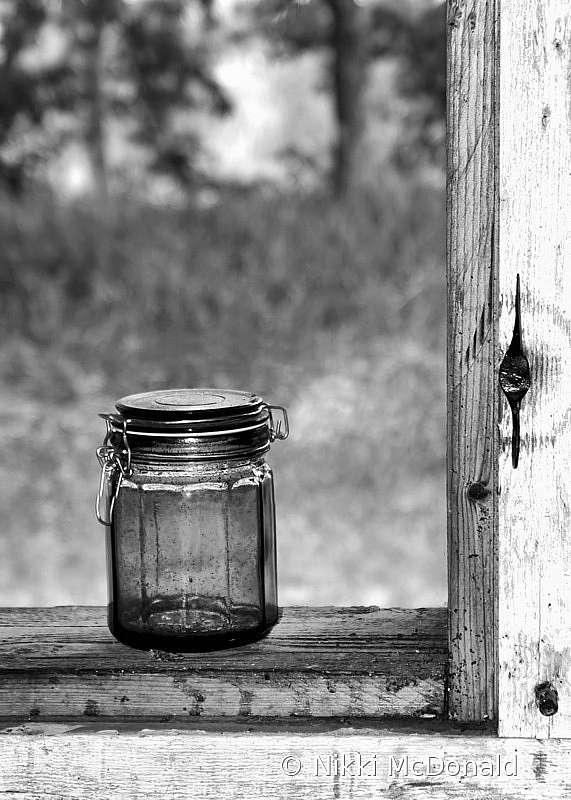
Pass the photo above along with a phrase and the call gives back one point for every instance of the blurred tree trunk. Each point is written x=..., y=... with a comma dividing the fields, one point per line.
x=350, y=44
x=94, y=15
x=95, y=123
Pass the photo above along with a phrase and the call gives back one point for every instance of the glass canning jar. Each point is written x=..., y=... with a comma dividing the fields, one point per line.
x=187, y=499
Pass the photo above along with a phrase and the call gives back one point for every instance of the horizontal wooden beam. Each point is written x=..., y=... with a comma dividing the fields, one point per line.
x=62, y=663
x=306, y=760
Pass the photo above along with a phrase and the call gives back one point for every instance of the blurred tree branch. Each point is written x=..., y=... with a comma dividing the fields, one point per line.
x=118, y=60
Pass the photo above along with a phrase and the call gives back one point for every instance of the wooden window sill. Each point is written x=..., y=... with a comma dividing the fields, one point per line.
x=335, y=702
x=63, y=664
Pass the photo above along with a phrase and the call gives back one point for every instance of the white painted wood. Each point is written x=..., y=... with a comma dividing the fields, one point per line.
x=509, y=173
x=314, y=763
x=534, y=226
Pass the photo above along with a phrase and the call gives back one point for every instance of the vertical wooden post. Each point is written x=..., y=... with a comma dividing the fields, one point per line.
x=534, y=219
x=471, y=202
x=509, y=213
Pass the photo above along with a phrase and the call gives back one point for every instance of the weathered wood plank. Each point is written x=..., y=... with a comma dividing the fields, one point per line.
x=289, y=762
x=472, y=378
x=535, y=241
x=64, y=663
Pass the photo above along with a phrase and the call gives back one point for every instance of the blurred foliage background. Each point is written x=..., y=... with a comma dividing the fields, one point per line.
x=233, y=193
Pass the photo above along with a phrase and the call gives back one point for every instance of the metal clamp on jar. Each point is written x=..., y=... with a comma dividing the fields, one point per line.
x=187, y=499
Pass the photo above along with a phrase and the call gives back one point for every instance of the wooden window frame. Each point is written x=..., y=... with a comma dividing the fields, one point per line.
x=331, y=687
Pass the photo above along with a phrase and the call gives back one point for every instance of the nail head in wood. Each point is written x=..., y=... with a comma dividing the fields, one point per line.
x=547, y=699
x=478, y=491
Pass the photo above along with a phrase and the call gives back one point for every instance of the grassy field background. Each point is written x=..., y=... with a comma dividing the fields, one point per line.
x=337, y=312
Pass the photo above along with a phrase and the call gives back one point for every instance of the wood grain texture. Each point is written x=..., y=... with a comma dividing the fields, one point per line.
x=535, y=241
x=344, y=762
x=322, y=662
x=472, y=390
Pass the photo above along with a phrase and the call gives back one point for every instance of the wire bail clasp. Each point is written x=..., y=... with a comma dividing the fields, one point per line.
x=278, y=429
x=115, y=465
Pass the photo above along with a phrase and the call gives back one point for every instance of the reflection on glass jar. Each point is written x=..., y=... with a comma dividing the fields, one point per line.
x=188, y=501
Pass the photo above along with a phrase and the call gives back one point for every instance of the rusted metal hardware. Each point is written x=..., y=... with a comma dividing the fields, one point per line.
x=547, y=699
x=515, y=377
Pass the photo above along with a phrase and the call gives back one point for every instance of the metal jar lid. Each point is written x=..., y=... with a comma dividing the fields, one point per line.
x=192, y=410
x=195, y=424
x=180, y=425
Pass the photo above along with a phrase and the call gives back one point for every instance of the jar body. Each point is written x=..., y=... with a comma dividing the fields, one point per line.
x=192, y=555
